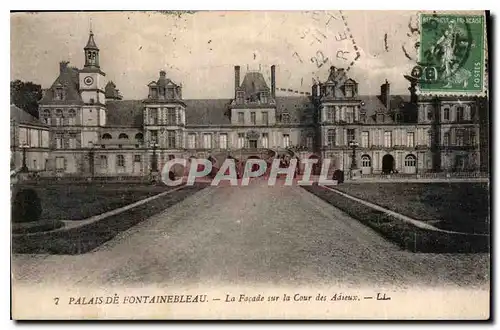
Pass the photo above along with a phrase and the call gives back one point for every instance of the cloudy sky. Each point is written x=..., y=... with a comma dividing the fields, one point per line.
x=200, y=49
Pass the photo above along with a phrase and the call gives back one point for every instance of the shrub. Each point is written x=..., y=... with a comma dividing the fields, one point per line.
x=26, y=206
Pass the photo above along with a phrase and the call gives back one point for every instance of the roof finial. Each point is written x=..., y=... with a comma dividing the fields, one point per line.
x=91, y=26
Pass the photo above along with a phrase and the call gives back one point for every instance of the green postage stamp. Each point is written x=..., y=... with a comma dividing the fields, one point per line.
x=452, y=54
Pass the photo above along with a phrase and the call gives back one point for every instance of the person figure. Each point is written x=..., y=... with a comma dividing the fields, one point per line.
x=447, y=44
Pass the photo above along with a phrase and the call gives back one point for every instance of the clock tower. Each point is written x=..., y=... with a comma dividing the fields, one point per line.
x=92, y=86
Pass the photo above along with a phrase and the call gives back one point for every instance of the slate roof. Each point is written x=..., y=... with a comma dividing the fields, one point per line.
x=91, y=43
x=22, y=117
x=253, y=82
x=207, y=112
x=124, y=113
x=68, y=79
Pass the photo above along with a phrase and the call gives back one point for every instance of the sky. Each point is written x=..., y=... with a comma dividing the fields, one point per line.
x=200, y=49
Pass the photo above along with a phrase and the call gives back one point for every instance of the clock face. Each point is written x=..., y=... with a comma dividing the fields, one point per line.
x=88, y=80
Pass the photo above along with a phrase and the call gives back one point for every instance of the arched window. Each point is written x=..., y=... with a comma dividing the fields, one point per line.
x=446, y=114
x=123, y=136
x=139, y=136
x=366, y=161
x=106, y=136
x=71, y=117
x=410, y=161
x=120, y=161
x=330, y=137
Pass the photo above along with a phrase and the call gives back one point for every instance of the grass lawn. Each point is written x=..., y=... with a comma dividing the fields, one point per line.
x=458, y=206
x=83, y=200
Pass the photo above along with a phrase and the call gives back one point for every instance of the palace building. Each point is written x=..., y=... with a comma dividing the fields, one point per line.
x=94, y=131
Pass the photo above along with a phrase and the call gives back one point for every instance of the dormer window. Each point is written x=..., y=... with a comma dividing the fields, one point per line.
x=362, y=117
x=59, y=94
x=263, y=97
x=285, y=118
x=349, y=90
x=154, y=92
x=380, y=118
x=240, y=97
x=170, y=93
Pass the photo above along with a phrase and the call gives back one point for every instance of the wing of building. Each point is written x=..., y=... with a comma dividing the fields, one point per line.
x=95, y=131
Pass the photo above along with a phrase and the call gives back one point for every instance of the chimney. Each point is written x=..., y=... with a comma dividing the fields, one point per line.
x=163, y=74
x=385, y=94
x=236, y=77
x=314, y=90
x=63, y=66
x=273, y=81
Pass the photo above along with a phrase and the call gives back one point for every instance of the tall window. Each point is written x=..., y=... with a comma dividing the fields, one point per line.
x=429, y=113
x=72, y=141
x=330, y=113
x=309, y=142
x=171, y=117
x=59, y=117
x=472, y=138
x=459, y=137
x=46, y=116
x=350, y=114
x=153, y=116
x=253, y=118
x=223, y=141
x=410, y=139
x=388, y=139
x=72, y=117
x=60, y=163
x=460, y=113
x=207, y=141
x=446, y=114
x=410, y=161
x=446, y=139
x=430, y=138
x=103, y=162
x=350, y=135
x=286, y=140
x=192, y=141
x=120, y=161
x=171, y=139
x=265, y=140
x=241, y=118
x=265, y=118
x=331, y=138
x=241, y=140
x=365, y=138
x=59, y=141
x=154, y=136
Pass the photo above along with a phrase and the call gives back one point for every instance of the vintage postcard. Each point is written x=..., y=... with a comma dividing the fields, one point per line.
x=250, y=165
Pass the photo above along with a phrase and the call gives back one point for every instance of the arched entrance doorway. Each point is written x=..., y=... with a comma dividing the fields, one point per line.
x=410, y=164
x=316, y=168
x=387, y=164
x=366, y=164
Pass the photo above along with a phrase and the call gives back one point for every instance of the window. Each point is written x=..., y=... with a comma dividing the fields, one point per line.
x=23, y=136
x=349, y=90
x=207, y=141
x=459, y=138
x=154, y=136
x=106, y=136
x=446, y=139
x=351, y=135
x=103, y=161
x=72, y=141
x=365, y=138
x=309, y=142
x=60, y=163
x=240, y=97
x=410, y=161
x=429, y=113
x=170, y=157
x=410, y=139
x=446, y=114
x=472, y=137
x=153, y=116
x=460, y=113
x=123, y=136
x=265, y=118
x=139, y=137
x=330, y=113
x=171, y=116
x=265, y=140
x=286, y=140
x=350, y=114
x=120, y=161
x=366, y=161
x=137, y=158
x=46, y=116
x=241, y=118
x=72, y=117
x=34, y=138
x=430, y=138
x=285, y=118
x=59, y=141
x=191, y=141
x=171, y=139
x=253, y=118
x=263, y=97
x=241, y=140
x=59, y=117
x=331, y=138
x=388, y=139
x=223, y=141
x=59, y=94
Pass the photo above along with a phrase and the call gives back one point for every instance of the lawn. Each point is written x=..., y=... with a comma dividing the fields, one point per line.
x=453, y=206
x=83, y=200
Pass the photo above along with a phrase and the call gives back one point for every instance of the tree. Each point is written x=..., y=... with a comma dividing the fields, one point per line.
x=26, y=95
